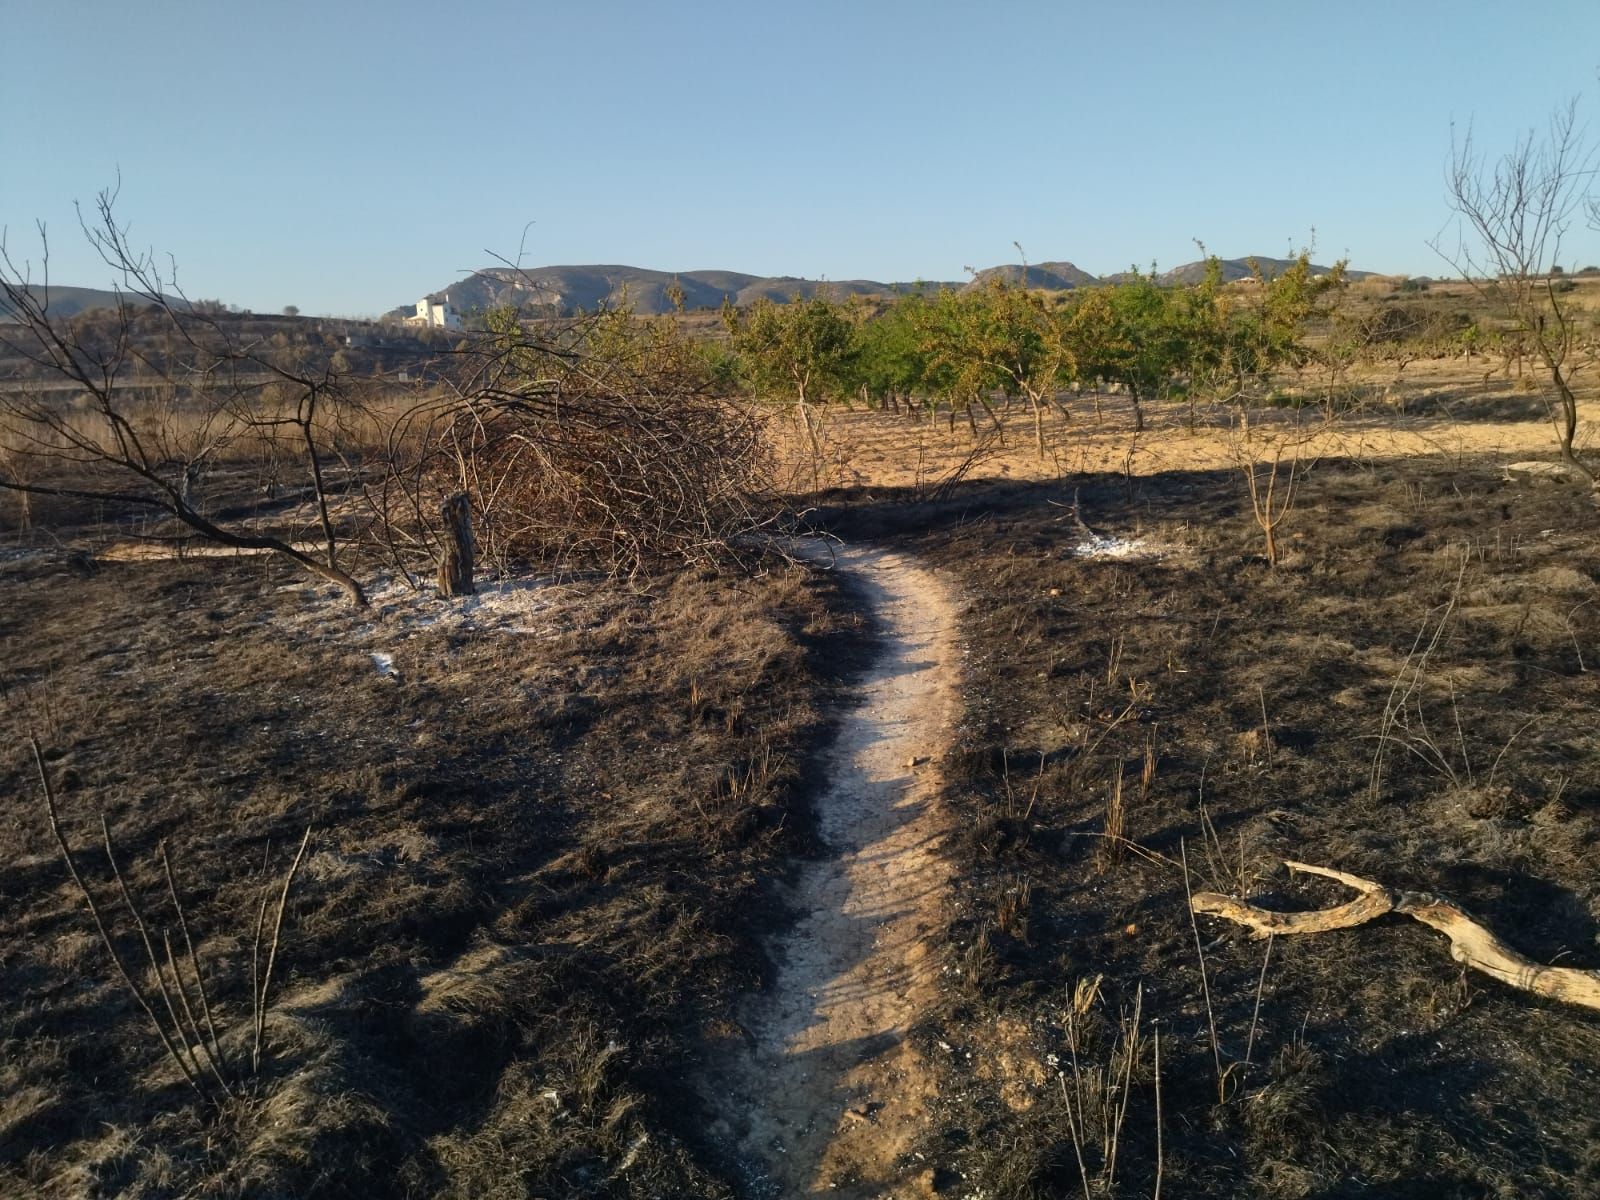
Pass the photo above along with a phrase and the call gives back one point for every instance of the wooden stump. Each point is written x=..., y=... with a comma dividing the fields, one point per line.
x=455, y=568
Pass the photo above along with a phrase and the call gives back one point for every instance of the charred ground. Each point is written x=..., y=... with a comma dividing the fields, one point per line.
x=544, y=844
x=537, y=872
x=1378, y=1066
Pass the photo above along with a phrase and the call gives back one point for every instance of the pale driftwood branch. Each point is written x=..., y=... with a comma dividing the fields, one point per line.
x=1475, y=946
x=1470, y=943
x=1374, y=901
x=1353, y=882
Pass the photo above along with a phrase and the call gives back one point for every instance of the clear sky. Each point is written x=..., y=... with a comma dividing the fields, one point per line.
x=348, y=156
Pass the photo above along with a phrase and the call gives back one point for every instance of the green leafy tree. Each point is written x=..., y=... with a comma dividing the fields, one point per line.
x=953, y=335
x=890, y=361
x=1021, y=341
x=1267, y=327
x=1199, y=317
x=1145, y=346
x=805, y=348
x=1125, y=334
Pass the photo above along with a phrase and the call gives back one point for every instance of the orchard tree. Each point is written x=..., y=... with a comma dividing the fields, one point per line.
x=1145, y=345
x=954, y=336
x=1266, y=329
x=1118, y=334
x=1022, y=342
x=804, y=348
x=890, y=361
x=1200, y=322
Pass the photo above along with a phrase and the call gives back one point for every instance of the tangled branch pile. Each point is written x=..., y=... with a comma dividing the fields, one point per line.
x=600, y=444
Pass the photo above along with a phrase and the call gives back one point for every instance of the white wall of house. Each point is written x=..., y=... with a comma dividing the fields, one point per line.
x=442, y=315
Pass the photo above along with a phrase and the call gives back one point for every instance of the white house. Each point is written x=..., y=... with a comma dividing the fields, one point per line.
x=443, y=315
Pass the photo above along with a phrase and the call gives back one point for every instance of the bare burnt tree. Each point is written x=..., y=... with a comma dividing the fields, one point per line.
x=1513, y=212
x=129, y=409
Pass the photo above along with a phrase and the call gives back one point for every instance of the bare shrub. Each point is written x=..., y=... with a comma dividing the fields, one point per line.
x=184, y=1021
x=1512, y=212
x=1273, y=466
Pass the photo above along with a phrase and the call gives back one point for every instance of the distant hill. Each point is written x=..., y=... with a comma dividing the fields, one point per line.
x=70, y=301
x=1051, y=276
x=565, y=289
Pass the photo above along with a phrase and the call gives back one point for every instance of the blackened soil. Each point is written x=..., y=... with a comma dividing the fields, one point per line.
x=1468, y=608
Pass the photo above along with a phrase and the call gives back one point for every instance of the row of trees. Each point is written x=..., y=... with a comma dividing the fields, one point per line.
x=967, y=347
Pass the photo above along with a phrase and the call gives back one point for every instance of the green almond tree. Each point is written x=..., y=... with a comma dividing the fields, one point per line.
x=805, y=349
x=891, y=363
x=1021, y=340
x=953, y=331
x=1267, y=323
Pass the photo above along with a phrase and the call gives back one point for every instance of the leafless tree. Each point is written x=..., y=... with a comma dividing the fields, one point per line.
x=130, y=409
x=1512, y=213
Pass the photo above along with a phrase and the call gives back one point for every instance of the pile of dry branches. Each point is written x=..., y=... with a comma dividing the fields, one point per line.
x=576, y=450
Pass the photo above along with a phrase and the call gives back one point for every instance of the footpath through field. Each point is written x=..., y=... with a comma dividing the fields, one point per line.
x=826, y=1093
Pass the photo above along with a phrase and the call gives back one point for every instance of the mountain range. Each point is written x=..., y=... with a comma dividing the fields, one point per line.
x=566, y=289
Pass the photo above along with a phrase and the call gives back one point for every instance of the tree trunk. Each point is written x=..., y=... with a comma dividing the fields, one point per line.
x=455, y=568
x=1566, y=419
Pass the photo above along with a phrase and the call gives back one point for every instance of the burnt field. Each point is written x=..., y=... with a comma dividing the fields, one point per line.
x=543, y=826
x=1410, y=696
x=560, y=832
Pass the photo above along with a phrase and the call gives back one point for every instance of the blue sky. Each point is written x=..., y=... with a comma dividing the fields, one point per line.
x=347, y=156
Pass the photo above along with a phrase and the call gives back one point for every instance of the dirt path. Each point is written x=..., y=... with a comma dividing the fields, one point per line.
x=825, y=1094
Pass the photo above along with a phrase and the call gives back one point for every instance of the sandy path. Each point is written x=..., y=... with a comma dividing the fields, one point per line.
x=825, y=1094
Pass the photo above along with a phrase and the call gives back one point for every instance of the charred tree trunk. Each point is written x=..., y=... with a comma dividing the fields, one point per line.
x=455, y=568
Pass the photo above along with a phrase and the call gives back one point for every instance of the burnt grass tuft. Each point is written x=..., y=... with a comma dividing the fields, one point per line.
x=539, y=872
x=1378, y=1066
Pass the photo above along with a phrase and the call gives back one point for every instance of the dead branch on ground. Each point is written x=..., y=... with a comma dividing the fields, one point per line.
x=1470, y=943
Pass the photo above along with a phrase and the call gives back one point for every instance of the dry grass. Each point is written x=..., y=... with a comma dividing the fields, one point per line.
x=1443, y=407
